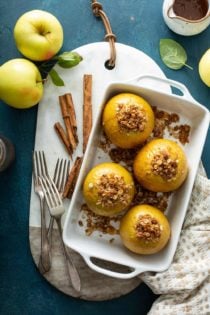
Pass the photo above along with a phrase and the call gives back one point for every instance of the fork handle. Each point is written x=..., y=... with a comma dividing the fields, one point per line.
x=72, y=271
x=50, y=231
x=45, y=259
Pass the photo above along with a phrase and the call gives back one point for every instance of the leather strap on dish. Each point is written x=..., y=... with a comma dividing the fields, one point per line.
x=98, y=12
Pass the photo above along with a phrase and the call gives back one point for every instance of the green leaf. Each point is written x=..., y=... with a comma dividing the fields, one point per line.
x=56, y=79
x=69, y=59
x=172, y=54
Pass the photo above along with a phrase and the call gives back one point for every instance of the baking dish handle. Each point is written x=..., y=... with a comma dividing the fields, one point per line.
x=134, y=272
x=173, y=83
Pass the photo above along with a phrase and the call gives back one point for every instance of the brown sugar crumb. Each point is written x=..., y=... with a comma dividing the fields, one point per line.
x=112, y=189
x=155, y=199
x=123, y=155
x=159, y=129
x=104, y=143
x=181, y=132
x=94, y=222
x=165, y=121
x=148, y=228
x=164, y=166
x=168, y=118
x=80, y=223
x=131, y=117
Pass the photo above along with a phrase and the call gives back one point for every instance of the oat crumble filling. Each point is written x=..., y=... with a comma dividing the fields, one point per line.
x=95, y=222
x=148, y=228
x=112, y=189
x=131, y=117
x=164, y=166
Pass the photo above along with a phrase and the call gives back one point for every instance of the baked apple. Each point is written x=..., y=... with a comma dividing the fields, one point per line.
x=161, y=165
x=108, y=189
x=128, y=120
x=144, y=230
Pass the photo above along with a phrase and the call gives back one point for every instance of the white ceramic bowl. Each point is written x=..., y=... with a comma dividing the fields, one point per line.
x=182, y=26
x=94, y=246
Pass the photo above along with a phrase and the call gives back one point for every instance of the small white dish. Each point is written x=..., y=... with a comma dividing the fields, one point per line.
x=94, y=246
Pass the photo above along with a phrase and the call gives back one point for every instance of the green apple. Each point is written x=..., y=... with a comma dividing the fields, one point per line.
x=38, y=35
x=20, y=83
x=204, y=68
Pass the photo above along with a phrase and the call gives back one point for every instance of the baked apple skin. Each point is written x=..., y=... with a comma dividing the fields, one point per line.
x=144, y=230
x=128, y=120
x=161, y=166
x=108, y=189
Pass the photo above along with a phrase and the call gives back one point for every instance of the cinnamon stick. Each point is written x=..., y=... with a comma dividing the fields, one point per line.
x=72, y=114
x=72, y=178
x=62, y=135
x=87, y=108
x=66, y=118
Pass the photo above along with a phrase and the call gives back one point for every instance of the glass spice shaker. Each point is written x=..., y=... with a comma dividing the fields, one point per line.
x=7, y=153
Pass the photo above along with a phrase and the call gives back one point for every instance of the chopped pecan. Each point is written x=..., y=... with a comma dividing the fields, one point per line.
x=164, y=166
x=131, y=117
x=148, y=228
x=112, y=189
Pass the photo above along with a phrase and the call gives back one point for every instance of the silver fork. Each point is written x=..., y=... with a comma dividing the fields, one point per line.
x=40, y=168
x=56, y=208
x=60, y=177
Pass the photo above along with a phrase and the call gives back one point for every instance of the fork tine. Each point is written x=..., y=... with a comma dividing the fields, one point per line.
x=43, y=163
x=51, y=190
x=49, y=196
x=61, y=173
x=35, y=165
x=37, y=162
x=63, y=177
x=56, y=171
x=66, y=174
x=45, y=188
x=54, y=191
x=40, y=165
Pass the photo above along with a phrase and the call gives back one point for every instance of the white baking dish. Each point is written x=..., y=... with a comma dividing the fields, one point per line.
x=95, y=246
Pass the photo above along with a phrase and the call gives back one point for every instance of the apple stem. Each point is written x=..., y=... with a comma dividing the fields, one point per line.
x=41, y=81
x=189, y=67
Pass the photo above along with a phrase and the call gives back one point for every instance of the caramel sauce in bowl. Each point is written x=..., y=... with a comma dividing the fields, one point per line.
x=187, y=17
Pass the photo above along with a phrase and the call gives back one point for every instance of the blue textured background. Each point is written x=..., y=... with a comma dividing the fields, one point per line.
x=136, y=23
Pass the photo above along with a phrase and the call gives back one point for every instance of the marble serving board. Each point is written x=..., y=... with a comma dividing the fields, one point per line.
x=130, y=63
